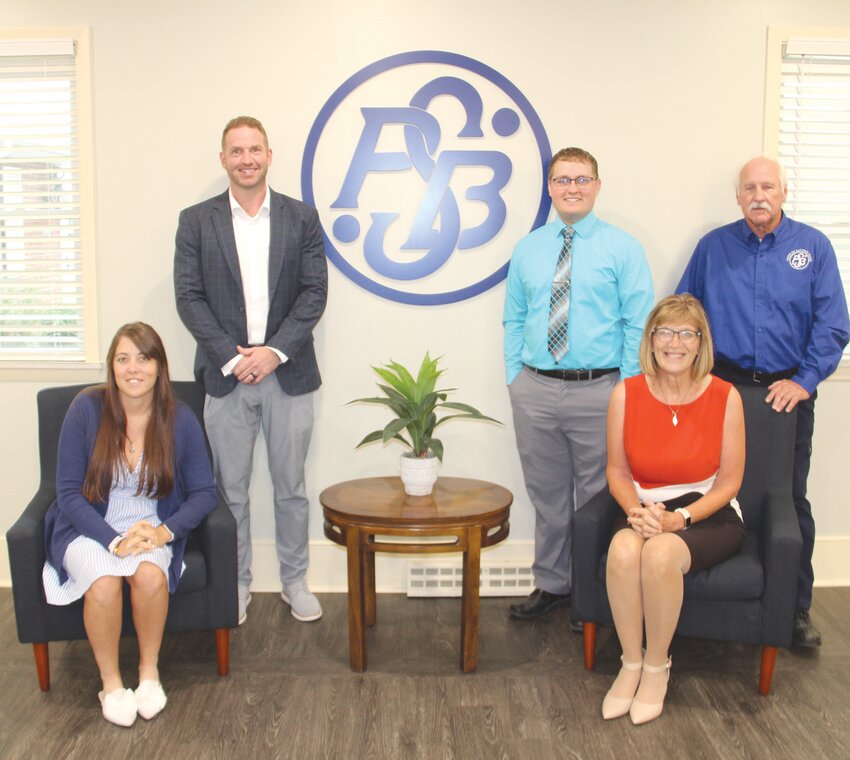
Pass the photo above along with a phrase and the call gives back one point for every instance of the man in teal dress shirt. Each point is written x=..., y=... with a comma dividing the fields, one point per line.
x=560, y=386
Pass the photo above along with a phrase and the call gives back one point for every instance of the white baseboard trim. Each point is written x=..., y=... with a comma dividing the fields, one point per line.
x=327, y=572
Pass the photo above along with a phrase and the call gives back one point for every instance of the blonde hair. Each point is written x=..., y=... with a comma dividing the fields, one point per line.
x=683, y=309
x=577, y=155
x=244, y=121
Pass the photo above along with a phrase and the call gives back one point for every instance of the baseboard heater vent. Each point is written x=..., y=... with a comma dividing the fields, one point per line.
x=445, y=578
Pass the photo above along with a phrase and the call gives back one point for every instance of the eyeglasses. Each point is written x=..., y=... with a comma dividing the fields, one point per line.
x=567, y=181
x=665, y=335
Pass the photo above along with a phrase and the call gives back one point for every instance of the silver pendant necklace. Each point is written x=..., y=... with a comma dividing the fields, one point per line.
x=675, y=412
x=131, y=443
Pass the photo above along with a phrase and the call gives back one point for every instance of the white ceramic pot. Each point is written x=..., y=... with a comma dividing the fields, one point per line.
x=419, y=474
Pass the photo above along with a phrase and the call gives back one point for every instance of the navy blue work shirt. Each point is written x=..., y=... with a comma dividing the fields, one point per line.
x=773, y=304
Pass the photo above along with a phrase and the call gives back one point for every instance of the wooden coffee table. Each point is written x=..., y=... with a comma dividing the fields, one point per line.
x=469, y=514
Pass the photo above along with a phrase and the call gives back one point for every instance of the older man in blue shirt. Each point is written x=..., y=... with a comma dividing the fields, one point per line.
x=778, y=316
x=578, y=294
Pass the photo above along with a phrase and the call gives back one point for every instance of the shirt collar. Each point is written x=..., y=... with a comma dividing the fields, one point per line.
x=265, y=207
x=583, y=226
x=778, y=233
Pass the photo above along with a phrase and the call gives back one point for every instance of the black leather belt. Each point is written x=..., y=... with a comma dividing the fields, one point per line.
x=573, y=374
x=735, y=374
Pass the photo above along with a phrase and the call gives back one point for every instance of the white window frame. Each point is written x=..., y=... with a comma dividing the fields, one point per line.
x=53, y=367
x=805, y=38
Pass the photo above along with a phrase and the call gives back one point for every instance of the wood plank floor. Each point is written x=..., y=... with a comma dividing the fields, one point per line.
x=291, y=693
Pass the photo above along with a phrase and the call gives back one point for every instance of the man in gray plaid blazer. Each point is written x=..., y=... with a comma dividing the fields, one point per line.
x=250, y=276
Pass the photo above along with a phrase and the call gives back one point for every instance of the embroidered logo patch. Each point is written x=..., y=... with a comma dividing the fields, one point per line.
x=799, y=258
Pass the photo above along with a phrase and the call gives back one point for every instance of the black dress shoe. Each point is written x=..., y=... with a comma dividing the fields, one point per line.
x=804, y=633
x=538, y=603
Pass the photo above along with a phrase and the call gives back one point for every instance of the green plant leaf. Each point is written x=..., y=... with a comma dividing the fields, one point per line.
x=375, y=435
x=464, y=416
x=378, y=435
x=406, y=384
x=392, y=392
x=394, y=427
x=460, y=407
x=436, y=445
x=427, y=376
x=392, y=379
x=372, y=400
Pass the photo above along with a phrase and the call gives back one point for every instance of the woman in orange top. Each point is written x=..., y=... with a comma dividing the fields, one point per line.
x=675, y=464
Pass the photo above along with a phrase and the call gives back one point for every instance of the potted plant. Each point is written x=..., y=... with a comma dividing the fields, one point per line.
x=414, y=403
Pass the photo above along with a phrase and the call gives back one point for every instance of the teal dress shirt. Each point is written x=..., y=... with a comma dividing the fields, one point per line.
x=610, y=297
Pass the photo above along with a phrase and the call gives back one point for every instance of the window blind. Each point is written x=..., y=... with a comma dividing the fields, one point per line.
x=814, y=139
x=41, y=273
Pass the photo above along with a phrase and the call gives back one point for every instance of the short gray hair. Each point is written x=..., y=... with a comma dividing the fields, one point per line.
x=783, y=174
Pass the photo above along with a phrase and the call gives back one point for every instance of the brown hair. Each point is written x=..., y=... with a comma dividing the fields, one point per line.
x=579, y=155
x=245, y=121
x=680, y=308
x=157, y=473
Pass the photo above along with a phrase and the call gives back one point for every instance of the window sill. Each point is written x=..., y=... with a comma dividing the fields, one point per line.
x=52, y=372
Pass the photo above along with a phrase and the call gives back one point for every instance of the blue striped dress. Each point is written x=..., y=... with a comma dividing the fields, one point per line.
x=86, y=560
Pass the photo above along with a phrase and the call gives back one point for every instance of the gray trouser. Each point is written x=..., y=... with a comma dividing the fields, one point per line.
x=232, y=424
x=560, y=435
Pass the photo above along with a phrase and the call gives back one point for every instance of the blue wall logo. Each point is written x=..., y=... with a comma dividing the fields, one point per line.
x=426, y=168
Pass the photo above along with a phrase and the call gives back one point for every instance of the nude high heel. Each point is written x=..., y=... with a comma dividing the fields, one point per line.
x=643, y=712
x=615, y=707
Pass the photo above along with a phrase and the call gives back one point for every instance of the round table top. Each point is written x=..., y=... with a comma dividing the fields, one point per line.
x=383, y=500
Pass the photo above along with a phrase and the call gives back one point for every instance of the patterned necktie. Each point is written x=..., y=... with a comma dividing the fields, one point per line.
x=559, y=305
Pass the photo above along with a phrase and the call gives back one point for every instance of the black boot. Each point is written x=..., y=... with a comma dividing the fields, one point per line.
x=804, y=633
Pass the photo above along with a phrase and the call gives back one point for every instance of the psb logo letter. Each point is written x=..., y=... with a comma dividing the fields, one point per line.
x=799, y=258
x=426, y=167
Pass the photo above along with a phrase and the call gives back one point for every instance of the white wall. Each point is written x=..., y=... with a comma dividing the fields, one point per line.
x=667, y=95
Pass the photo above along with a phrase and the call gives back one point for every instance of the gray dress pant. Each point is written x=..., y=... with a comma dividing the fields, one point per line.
x=232, y=424
x=560, y=435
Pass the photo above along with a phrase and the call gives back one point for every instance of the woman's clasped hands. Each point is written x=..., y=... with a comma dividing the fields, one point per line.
x=652, y=518
x=141, y=537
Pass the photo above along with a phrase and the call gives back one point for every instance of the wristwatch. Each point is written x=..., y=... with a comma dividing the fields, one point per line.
x=686, y=515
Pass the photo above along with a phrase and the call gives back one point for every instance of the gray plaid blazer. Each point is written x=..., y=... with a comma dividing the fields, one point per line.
x=210, y=301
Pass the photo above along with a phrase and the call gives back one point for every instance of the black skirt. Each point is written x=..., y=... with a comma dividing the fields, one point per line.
x=709, y=541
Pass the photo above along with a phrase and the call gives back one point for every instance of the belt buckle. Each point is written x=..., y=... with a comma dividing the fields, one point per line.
x=758, y=377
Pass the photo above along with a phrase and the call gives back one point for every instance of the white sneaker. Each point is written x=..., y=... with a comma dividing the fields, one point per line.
x=244, y=596
x=304, y=605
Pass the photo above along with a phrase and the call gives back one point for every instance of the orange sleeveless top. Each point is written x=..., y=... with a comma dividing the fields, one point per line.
x=661, y=454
